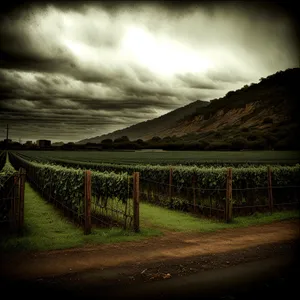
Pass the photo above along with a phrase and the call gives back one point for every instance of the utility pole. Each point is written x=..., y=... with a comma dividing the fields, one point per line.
x=6, y=141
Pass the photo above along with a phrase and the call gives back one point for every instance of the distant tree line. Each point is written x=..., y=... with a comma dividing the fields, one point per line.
x=245, y=139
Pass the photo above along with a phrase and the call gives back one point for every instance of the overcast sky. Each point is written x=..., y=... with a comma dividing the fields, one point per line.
x=72, y=72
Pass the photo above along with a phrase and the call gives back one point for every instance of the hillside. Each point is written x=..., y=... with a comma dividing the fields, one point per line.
x=263, y=112
x=139, y=130
x=273, y=98
x=260, y=114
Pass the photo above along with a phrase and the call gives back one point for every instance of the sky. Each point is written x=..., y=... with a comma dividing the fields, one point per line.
x=75, y=71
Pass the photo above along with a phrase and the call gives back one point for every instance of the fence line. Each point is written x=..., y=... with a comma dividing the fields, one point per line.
x=12, y=201
x=165, y=194
x=218, y=189
x=87, y=202
x=190, y=197
x=89, y=208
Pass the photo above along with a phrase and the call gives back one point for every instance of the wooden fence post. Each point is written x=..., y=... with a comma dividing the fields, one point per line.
x=228, y=209
x=87, y=202
x=136, y=201
x=194, y=192
x=22, y=173
x=270, y=194
x=170, y=184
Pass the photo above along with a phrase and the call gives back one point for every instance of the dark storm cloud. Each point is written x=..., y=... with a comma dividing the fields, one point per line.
x=140, y=91
x=42, y=80
x=19, y=50
x=84, y=69
x=193, y=81
x=228, y=76
x=29, y=62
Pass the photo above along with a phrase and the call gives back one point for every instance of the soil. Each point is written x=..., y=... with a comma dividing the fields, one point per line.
x=159, y=259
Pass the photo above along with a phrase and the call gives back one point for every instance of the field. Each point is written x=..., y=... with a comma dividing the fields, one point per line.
x=173, y=157
x=192, y=202
x=53, y=242
x=201, y=188
x=47, y=229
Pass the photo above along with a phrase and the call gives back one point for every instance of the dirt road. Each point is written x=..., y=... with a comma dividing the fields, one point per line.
x=176, y=255
x=172, y=246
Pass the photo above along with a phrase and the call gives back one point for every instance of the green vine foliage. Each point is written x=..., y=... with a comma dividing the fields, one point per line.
x=66, y=185
x=2, y=159
x=108, y=185
x=205, y=183
x=79, y=156
x=7, y=170
x=254, y=181
x=6, y=188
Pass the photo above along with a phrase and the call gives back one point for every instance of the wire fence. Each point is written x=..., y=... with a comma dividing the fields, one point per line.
x=110, y=210
x=66, y=189
x=105, y=212
x=112, y=213
x=103, y=205
x=11, y=208
x=211, y=202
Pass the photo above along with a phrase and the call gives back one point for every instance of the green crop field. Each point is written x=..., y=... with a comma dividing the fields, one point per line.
x=111, y=187
x=172, y=157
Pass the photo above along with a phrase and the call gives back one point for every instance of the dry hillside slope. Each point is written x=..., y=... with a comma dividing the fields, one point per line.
x=262, y=115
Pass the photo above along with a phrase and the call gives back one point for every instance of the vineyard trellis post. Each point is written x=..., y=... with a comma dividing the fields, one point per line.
x=22, y=173
x=228, y=207
x=87, y=202
x=136, y=202
x=270, y=194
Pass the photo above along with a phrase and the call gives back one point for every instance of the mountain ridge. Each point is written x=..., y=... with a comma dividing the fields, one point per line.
x=268, y=109
x=134, y=131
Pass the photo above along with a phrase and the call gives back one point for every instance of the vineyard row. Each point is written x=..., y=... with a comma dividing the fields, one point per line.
x=183, y=176
x=199, y=190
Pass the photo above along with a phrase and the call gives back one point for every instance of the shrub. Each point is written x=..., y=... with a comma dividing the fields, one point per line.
x=239, y=144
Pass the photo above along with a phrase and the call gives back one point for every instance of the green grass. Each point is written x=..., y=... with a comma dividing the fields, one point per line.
x=169, y=157
x=46, y=229
x=180, y=221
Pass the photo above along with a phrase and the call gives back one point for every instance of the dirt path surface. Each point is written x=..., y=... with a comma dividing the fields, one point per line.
x=134, y=256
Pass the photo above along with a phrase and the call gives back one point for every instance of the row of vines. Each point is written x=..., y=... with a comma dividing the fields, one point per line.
x=9, y=195
x=187, y=158
x=7, y=170
x=192, y=188
x=2, y=159
x=111, y=193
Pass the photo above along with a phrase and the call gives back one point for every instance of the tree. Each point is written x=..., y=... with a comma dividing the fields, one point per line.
x=107, y=141
x=252, y=137
x=156, y=139
x=123, y=139
x=167, y=139
x=217, y=145
x=238, y=144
